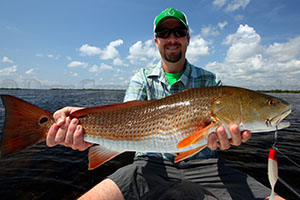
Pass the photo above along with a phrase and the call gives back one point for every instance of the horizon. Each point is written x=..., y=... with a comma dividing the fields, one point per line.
x=14, y=86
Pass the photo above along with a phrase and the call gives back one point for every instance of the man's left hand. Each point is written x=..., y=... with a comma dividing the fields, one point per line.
x=220, y=138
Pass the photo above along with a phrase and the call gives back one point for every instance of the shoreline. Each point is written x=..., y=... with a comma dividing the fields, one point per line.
x=263, y=91
x=64, y=89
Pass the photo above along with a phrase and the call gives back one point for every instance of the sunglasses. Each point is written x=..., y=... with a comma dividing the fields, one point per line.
x=165, y=33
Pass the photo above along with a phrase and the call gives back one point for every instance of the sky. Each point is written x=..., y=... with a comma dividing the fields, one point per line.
x=101, y=44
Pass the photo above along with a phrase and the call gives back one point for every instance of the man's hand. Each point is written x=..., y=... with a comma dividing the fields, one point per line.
x=220, y=138
x=65, y=131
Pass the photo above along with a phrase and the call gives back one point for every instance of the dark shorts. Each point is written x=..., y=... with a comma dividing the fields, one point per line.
x=156, y=178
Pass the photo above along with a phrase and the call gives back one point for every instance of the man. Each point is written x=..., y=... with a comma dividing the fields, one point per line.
x=152, y=175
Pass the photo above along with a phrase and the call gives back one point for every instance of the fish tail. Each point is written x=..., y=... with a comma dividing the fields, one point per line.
x=24, y=126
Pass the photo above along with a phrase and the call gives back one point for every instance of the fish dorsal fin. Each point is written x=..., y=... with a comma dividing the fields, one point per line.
x=186, y=154
x=99, y=155
x=108, y=108
x=199, y=133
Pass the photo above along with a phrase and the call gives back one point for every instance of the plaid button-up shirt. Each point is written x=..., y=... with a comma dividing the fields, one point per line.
x=151, y=83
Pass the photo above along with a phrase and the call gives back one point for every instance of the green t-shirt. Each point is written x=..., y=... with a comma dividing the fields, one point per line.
x=172, y=78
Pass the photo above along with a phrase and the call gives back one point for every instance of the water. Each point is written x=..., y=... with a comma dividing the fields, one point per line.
x=61, y=173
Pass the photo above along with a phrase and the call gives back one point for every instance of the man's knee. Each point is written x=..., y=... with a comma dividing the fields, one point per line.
x=106, y=189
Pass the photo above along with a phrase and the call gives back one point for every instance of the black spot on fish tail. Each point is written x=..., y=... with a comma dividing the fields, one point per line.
x=43, y=120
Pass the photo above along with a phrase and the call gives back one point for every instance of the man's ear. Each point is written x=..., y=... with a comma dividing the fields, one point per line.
x=156, y=42
x=188, y=39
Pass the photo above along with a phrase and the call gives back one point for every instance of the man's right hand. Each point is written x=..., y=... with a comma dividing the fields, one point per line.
x=65, y=131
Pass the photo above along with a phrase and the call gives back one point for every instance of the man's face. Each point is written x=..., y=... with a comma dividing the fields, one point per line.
x=172, y=48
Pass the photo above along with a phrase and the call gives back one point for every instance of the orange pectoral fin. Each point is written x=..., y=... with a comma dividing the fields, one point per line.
x=195, y=137
x=99, y=155
x=186, y=154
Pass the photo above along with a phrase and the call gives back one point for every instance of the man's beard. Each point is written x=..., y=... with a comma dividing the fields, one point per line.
x=173, y=58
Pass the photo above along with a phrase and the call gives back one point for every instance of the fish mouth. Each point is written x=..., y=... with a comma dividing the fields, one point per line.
x=276, y=121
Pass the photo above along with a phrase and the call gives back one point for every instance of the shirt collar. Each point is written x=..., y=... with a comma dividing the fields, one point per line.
x=185, y=77
x=157, y=71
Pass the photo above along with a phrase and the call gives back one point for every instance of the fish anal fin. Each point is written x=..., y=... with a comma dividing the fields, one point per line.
x=199, y=133
x=186, y=154
x=108, y=108
x=99, y=155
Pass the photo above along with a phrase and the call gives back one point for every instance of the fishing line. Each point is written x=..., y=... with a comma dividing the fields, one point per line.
x=289, y=187
x=276, y=148
x=280, y=179
x=275, y=138
x=287, y=157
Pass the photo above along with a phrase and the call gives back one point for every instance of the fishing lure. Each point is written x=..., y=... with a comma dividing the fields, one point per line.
x=272, y=171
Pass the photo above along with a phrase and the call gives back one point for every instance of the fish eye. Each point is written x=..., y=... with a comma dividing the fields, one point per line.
x=270, y=102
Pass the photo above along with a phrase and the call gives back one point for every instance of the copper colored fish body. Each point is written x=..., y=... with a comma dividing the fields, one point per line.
x=179, y=123
x=156, y=126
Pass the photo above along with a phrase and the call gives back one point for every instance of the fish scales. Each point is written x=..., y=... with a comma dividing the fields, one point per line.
x=151, y=126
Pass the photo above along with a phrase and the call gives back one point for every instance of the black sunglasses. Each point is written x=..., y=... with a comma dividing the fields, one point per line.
x=165, y=33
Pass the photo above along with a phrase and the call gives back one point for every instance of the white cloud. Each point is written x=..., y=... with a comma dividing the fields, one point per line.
x=7, y=60
x=198, y=47
x=119, y=62
x=284, y=52
x=99, y=69
x=210, y=31
x=219, y=3
x=8, y=70
x=143, y=53
x=56, y=57
x=30, y=71
x=231, y=5
x=77, y=64
x=236, y=4
x=244, y=44
x=74, y=74
x=110, y=51
x=39, y=55
x=239, y=18
x=87, y=50
x=248, y=63
x=222, y=25
x=105, y=67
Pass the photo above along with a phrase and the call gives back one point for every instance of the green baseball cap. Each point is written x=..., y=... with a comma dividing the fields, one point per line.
x=171, y=13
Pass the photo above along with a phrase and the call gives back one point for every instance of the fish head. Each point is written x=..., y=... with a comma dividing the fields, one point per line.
x=251, y=110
